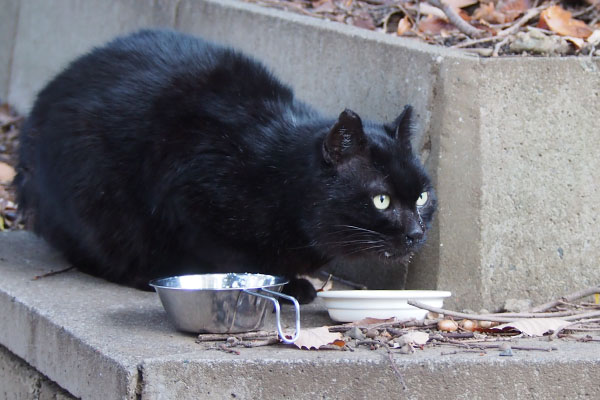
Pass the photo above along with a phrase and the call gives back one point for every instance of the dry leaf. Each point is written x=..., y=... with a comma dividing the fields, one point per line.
x=533, y=326
x=559, y=20
x=434, y=25
x=314, y=338
x=363, y=20
x=488, y=12
x=577, y=42
x=7, y=173
x=512, y=8
x=403, y=26
x=416, y=337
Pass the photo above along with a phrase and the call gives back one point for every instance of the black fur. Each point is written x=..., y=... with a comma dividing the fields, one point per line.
x=162, y=154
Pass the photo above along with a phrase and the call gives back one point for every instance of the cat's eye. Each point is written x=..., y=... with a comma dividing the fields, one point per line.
x=422, y=200
x=381, y=201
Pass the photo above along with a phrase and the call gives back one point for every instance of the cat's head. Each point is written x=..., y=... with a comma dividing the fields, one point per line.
x=378, y=198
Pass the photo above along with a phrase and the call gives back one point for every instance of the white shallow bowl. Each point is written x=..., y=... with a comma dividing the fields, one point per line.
x=354, y=305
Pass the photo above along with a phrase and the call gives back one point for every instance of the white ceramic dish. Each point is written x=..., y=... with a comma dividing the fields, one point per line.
x=354, y=305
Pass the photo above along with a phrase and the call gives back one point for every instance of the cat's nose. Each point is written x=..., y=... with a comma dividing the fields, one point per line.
x=414, y=234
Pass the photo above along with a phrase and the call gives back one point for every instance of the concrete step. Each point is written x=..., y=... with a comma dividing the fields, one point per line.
x=98, y=340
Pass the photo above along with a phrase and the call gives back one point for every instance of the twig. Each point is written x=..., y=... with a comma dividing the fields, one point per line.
x=456, y=20
x=499, y=45
x=227, y=349
x=259, y=343
x=529, y=15
x=221, y=337
x=458, y=314
x=506, y=317
x=51, y=273
x=395, y=324
x=570, y=297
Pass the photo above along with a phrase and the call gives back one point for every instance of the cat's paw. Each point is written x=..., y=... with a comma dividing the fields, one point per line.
x=301, y=289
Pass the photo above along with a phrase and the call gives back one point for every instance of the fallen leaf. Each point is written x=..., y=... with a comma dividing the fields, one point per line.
x=314, y=338
x=512, y=8
x=416, y=337
x=7, y=173
x=577, y=42
x=403, y=26
x=533, y=326
x=434, y=25
x=339, y=343
x=559, y=20
x=488, y=12
x=363, y=20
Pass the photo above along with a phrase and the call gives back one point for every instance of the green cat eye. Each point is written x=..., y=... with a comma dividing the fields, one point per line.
x=381, y=201
x=422, y=200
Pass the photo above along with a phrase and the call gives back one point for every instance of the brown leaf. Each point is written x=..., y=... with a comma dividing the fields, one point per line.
x=363, y=20
x=339, y=343
x=512, y=9
x=533, y=326
x=434, y=25
x=560, y=21
x=403, y=26
x=314, y=338
x=488, y=12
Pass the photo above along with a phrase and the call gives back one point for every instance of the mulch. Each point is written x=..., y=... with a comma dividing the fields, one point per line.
x=488, y=28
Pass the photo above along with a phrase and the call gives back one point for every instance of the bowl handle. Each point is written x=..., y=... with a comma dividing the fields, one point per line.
x=278, y=311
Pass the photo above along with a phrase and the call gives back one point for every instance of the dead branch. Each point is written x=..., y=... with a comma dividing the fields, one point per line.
x=570, y=297
x=221, y=337
x=457, y=21
x=51, y=273
x=459, y=314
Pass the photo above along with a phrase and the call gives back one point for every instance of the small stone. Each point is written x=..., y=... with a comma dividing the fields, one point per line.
x=371, y=333
x=406, y=349
x=355, y=333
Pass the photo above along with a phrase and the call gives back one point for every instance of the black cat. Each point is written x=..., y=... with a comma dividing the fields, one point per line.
x=162, y=154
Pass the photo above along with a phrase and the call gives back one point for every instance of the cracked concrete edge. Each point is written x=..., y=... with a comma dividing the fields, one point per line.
x=95, y=376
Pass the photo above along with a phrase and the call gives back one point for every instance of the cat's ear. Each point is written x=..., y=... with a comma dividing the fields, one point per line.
x=345, y=139
x=401, y=129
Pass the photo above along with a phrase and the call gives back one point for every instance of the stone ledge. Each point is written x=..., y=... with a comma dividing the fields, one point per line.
x=98, y=340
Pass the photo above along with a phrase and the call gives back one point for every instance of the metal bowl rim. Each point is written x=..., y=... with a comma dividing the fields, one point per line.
x=281, y=280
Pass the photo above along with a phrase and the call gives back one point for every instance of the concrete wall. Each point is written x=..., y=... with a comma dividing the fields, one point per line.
x=510, y=142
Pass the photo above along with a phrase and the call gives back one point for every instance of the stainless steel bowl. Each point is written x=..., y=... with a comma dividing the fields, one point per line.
x=223, y=303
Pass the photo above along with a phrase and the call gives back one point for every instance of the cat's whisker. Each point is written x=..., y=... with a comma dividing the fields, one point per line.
x=365, y=249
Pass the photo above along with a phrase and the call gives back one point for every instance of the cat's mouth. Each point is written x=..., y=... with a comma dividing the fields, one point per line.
x=396, y=256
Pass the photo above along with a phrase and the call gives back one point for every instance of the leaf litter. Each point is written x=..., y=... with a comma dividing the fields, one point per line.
x=560, y=318
x=488, y=28
x=10, y=123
